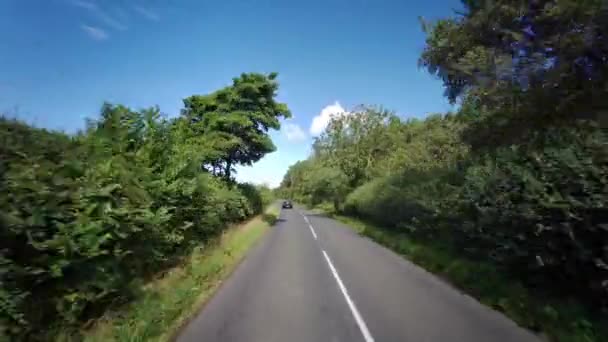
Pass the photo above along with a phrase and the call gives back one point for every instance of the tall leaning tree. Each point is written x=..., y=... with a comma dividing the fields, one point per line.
x=234, y=121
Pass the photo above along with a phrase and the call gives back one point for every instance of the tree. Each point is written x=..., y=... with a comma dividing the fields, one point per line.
x=235, y=121
x=526, y=64
x=355, y=142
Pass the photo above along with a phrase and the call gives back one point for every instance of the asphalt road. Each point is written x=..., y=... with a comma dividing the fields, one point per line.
x=313, y=279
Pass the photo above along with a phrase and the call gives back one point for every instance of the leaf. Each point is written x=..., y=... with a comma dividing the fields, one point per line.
x=108, y=189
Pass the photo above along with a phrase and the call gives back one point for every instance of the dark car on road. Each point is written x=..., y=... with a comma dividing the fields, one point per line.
x=287, y=205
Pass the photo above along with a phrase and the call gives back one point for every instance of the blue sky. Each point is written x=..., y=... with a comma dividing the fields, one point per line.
x=61, y=59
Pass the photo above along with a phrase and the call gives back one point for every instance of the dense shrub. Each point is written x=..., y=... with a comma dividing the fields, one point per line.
x=258, y=196
x=537, y=211
x=77, y=232
x=516, y=179
x=390, y=200
x=84, y=219
x=519, y=175
x=544, y=214
x=540, y=214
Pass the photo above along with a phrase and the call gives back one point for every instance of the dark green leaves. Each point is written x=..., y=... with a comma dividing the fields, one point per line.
x=236, y=121
x=83, y=218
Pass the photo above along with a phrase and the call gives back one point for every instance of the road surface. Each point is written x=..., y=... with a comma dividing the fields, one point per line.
x=313, y=279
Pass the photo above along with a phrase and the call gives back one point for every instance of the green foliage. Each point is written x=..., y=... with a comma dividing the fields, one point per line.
x=258, y=196
x=533, y=213
x=316, y=184
x=525, y=64
x=182, y=290
x=85, y=219
x=407, y=201
x=500, y=46
x=516, y=180
x=235, y=121
x=564, y=321
x=354, y=143
x=543, y=214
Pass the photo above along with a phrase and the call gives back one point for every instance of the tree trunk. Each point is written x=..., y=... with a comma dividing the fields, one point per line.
x=227, y=174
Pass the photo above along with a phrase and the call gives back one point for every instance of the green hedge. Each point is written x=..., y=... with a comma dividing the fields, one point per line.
x=85, y=219
x=540, y=214
x=543, y=214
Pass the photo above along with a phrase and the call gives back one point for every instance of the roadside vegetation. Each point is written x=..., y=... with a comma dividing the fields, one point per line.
x=507, y=196
x=168, y=303
x=88, y=220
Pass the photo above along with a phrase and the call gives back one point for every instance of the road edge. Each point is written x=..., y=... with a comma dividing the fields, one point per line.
x=176, y=298
x=539, y=312
x=200, y=303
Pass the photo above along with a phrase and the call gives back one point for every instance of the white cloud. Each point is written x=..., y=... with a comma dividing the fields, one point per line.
x=95, y=32
x=113, y=23
x=293, y=132
x=84, y=4
x=146, y=12
x=101, y=14
x=320, y=122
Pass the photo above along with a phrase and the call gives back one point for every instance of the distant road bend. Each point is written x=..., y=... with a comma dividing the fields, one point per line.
x=313, y=279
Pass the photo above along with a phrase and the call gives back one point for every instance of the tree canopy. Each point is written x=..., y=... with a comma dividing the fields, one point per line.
x=524, y=63
x=235, y=121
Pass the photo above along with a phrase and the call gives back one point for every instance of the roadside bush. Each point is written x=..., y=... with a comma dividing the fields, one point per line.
x=412, y=201
x=543, y=214
x=517, y=179
x=258, y=196
x=418, y=176
x=387, y=201
x=266, y=194
x=537, y=211
x=83, y=220
x=86, y=218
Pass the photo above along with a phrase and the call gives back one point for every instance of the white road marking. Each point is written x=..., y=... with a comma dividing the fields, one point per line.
x=312, y=230
x=360, y=322
x=306, y=219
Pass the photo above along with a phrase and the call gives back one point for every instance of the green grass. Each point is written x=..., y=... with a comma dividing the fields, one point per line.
x=559, y=321
x=167, y=304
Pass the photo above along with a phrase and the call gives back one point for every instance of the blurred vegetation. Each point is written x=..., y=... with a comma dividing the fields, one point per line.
x=515, y=180
x=167, y=304
x=85, y=219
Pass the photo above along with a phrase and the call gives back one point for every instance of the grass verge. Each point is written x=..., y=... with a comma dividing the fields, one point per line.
x=560, y=321
x=167, y=304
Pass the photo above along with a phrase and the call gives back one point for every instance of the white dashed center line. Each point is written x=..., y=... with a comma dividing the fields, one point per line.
x=312, y=230
x=360, y=322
